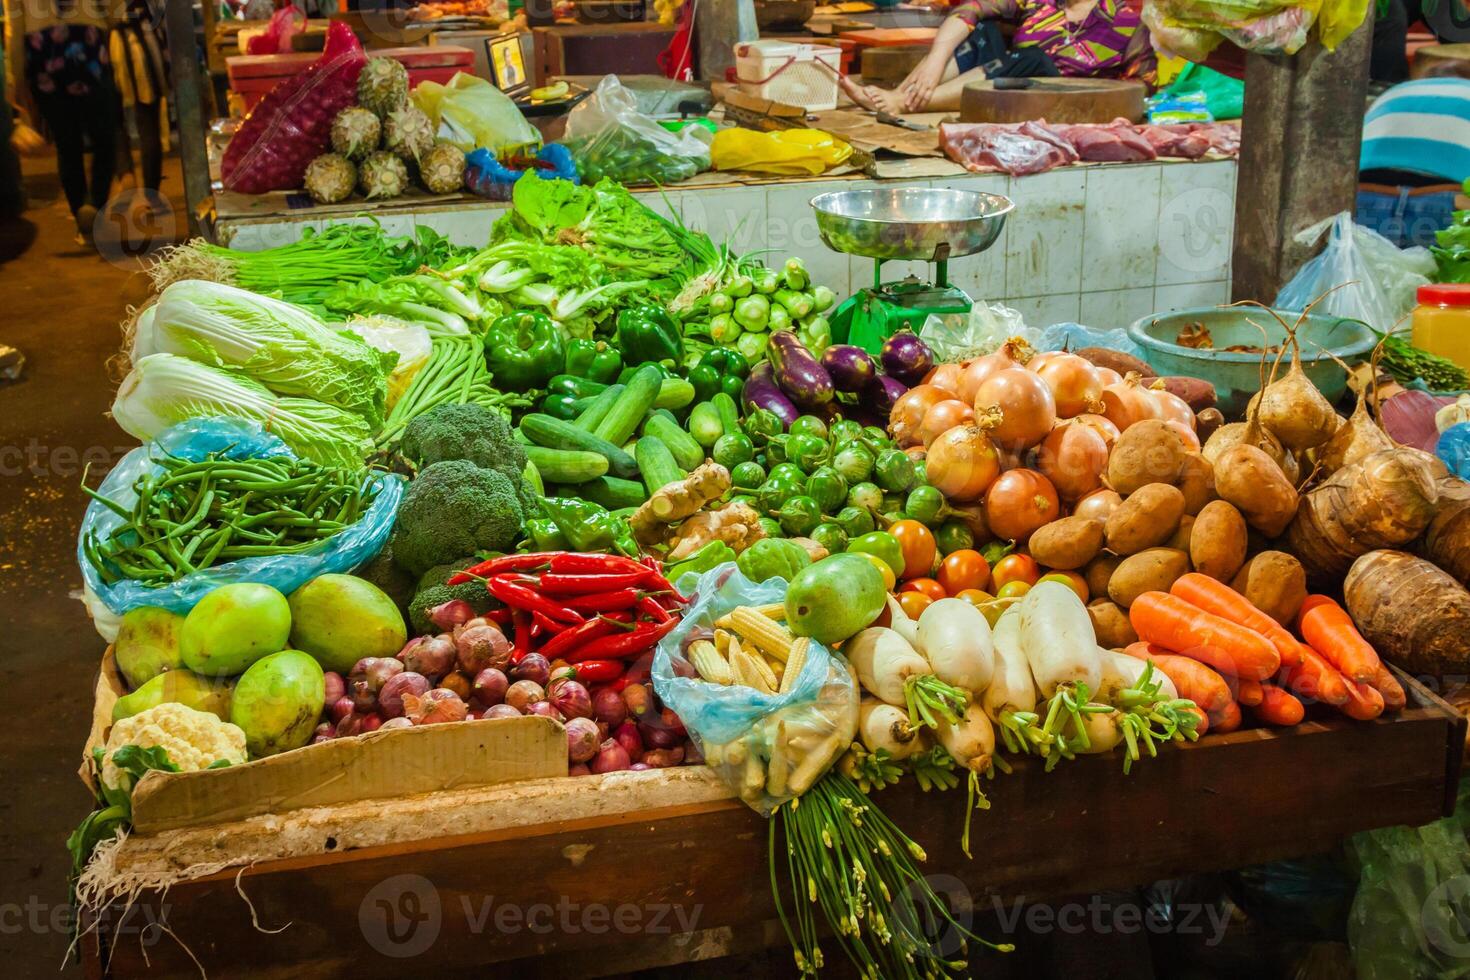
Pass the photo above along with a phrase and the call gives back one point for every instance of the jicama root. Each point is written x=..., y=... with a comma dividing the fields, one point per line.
x=1384, y=500
x=1358, y=437
x=737, y=524
x=1291, y=408
x=1412, y=612
x=672, y=503
x=1447, y=542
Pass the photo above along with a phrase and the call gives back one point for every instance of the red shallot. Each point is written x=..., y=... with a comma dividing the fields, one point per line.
x=582, y=740
x=390, y=698
x=434, y=707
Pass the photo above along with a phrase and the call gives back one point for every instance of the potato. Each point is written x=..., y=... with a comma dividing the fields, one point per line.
x=1248, y=478
x=1148, y=518
x=1110, y=623
x=1067, y=543
x=1147, y=452
x=1153, y=570
x=1275, y=583
x=1180, y=539
x=1099, y=571
x=1217, y=544
x=1197, y=482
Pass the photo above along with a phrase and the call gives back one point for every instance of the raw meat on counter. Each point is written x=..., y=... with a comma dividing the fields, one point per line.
x=1036, y=146
x=1176, y=141
x=984, y=147
x=1116, y=142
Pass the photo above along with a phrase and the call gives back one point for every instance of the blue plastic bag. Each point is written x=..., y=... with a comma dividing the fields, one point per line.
x=489, y=177
x=1454, y=448
x=237, y=439
x=767, y=747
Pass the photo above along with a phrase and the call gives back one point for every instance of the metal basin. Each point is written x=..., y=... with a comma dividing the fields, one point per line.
x=930, y=224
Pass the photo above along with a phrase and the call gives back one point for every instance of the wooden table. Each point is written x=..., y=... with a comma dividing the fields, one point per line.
x=621, y=892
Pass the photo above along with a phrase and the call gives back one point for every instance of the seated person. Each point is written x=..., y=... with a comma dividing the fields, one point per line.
x=1413, y=159
x=1081, y=38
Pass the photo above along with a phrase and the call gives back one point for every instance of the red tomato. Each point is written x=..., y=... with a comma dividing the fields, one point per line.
x=914, y=603
x=1072, y=580
x=1015, y=568
x=918, y=546
x=927, y=586
x=964, y=569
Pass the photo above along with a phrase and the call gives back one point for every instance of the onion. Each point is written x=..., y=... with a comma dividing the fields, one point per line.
x=582, y=740
x=545, y=709
x=1073, y=383
x=522, y=693
x=1017, y=408
x=500, y=711
x=611, y=757
x=434, y=707
x=490, y=686
x=1127, y=402
x=374, y=672
x=1041, y=359
x=664, y=758
x=1103, y=425
x=945, y=377
x=533, y=667
x=1106, y=375
x=350, y=725
x=334, y=685
x=371, y=723
x=655, y=735
x=1019, y=502
x=608, y=707
x=341, y=708
x=432, y=656
x=1170, y=407
x=627, y=736
x=324, y=732
x=1186, y=434
x=943, y=416
x=962, y=463
x=571, y=699
x=578, y=769
x=448, y=615
x=395, y=723
x=1073, y=457
x=480, y=647
x=390, y=698
x=1014, y=353
x=1096, y=506
x=908, y=412
x=639, y=767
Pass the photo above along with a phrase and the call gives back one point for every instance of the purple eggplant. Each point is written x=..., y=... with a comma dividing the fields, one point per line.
x=798, y=373
x=761, y=391
x=850, y=367
x=905, y=357
x=881, y=393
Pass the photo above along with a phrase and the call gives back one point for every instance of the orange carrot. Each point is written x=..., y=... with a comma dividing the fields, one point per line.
x=1191, y=678
x=1202, y=720
x=1246, y=692
x=1227, y=719
x=1329, y=630
x=1181, y=626
x=1364, y=702
x=1221, y=600
x=1315, y=679
x=1309, y=602
x=1278, y=708
x=1388, y=685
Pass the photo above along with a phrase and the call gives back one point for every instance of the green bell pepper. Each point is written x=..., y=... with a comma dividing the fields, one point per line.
x=560, y=406
x=544, y=535
x=882, y=545
x=589, y=527
x=720, y=369
x=524, y=350
x=646, y=333
x=570, y=384
x=593, y=360
x=709, y=557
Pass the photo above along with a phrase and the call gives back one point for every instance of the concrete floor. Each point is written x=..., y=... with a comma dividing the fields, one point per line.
x=60, y=303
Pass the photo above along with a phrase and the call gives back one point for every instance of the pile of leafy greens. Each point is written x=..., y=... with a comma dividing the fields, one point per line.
x=1452, y=247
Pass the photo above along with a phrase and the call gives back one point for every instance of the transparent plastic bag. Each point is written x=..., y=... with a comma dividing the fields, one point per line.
x=1379, y=280
x=472, y=114
x=236, y=439
x=1074, y=336
x=768, y=747
x=953, y=337
x=785, y=152
x=609, y=137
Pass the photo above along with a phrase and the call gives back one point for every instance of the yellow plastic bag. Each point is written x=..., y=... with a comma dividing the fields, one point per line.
x=471, y=113
x=785, y=152
x=1338, y=19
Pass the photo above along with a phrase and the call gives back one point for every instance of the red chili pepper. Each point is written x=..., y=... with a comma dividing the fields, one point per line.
x=521, y=641
x=546, y=625
x=569, y=640
x=505, y=563
x=649, y=607
x=596, y=602
x=585, y=584
x=500, y=617
x=598, y=671
x=620, y=683
x=658, y=583
x=573, y=562
x=624, y=645
x=509, y=591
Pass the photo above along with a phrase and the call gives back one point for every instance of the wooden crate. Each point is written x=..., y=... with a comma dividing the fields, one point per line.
x=1225, y=802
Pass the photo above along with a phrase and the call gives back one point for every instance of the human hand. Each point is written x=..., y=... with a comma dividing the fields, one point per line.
x=919, y=86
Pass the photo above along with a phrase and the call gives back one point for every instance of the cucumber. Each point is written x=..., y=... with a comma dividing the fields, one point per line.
x=729, y=412
x=566, y=465
x=686, y=452
x=705, y=425
x=611, y=492
x=554, y=433
x=674, y=393
x=597, y=408
x=531, y=477
x=656, y=464
x=628, y=411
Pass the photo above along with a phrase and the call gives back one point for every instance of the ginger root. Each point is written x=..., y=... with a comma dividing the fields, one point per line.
x=673, y=503
x=738, y=525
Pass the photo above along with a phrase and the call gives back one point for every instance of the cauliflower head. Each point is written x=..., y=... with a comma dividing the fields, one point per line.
x=192, y=739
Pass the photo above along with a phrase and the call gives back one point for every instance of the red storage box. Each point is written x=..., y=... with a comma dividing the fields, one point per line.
x=253, y=75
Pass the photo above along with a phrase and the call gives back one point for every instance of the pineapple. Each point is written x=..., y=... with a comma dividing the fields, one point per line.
x=329, y=178
x=408, y=133
x=382, y=86
x=355, y=132
x=442, y=168
x=382, y=175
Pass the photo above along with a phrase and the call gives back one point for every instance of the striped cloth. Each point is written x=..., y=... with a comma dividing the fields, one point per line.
x=1110, y=42
x=1422, y=127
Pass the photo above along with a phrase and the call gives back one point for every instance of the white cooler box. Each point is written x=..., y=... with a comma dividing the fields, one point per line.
x=802, y=75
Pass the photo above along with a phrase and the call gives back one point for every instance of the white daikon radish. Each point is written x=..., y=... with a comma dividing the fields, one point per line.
x=972, y=744
x=1122, y=673
x=882, y=726
x=1061, y=647
x=900, y=622
x=954, y=637
x=1010, y=698
x=892, y=670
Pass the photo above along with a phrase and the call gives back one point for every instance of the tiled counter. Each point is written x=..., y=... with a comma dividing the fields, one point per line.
x=1102, y=245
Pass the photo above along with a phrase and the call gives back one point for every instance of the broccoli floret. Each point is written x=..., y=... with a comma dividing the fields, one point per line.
x=468, y=431
x=432, y=592
x=381, y=570
x=455, y=508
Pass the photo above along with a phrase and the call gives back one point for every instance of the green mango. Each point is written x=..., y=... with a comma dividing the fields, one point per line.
x=147, y=644
x=233, y=627
x=834, y=598
x=339, y=619
x=182, y=686
x=278, y=701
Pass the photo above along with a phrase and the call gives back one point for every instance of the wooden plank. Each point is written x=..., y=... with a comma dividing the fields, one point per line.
x=700, y=869
x=189, y=94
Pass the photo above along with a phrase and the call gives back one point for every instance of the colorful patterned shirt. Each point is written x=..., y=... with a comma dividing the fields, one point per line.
x=1110, y=42
x=70, y=59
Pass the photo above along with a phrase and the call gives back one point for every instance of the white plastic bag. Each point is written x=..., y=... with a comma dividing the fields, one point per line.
x=1378, y=279
x=610, y=137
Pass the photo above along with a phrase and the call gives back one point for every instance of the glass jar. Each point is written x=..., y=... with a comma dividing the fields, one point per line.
x=1441, y=323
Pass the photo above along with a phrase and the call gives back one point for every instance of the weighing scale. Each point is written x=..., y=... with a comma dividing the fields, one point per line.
x=927, y=224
